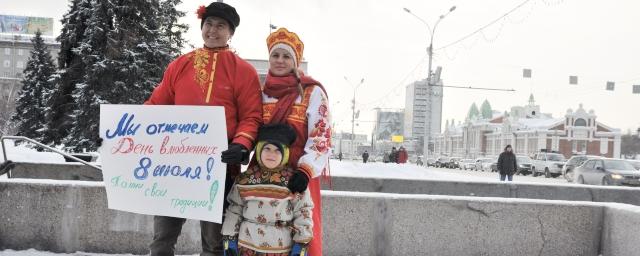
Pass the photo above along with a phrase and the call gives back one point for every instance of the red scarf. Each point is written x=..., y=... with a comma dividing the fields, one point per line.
x=285, y=89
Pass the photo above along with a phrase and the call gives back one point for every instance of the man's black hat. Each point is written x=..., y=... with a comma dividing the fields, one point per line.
x=224, y=11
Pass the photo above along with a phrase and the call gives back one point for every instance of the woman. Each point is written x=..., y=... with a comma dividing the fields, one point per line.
x=290, y=97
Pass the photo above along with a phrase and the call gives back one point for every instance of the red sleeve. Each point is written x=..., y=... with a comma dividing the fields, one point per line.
x=249, y=106
x=164, y=94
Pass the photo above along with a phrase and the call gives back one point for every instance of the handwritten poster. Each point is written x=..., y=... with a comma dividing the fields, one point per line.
x=164, y=160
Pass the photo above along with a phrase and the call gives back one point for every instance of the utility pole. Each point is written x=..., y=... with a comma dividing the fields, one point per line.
x=353, y=113
x=430, y=83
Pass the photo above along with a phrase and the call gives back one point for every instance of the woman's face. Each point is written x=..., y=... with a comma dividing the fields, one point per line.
x=280, y=62
x=271, y=156
x=216, y=32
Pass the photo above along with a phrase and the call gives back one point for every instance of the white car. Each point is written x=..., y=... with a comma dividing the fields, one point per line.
x=548, y=163
x=467, y=164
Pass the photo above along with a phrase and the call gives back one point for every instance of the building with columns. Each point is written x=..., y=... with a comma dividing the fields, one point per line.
x=529, y=131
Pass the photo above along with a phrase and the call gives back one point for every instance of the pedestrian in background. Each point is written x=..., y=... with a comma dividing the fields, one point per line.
x=507, y=164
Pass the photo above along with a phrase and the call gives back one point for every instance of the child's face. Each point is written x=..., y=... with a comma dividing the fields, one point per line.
x=271, y=156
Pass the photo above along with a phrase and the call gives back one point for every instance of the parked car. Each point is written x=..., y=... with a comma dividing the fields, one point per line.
x=575, y=161
x=493, y=166
x=635, y=163
x=548, y=163
x=608, y=172
x=467, y=164
x=480, y=162
x=454, y=163
x=442, y=162
x=524, y=164
x=431, y=162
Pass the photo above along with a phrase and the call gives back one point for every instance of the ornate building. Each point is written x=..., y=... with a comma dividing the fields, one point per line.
x=528, y=131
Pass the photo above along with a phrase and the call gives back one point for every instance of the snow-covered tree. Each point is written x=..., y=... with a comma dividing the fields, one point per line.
x=170, y=29
x=30, y=104
x=96, y=79
x=71, y=70
x=473, y=111
x=485, y=110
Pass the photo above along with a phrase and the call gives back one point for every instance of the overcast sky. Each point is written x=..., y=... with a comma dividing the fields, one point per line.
x=376, y=40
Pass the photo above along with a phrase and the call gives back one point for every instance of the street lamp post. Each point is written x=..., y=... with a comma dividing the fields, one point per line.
x=432, y=31
x=353, y=112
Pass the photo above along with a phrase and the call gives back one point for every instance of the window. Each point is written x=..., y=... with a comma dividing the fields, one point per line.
x=590, y=164
x=20, y=52
x=598, y=164
x=20, y=64
x=7, y=51
x=580, y=122
x=7, y=63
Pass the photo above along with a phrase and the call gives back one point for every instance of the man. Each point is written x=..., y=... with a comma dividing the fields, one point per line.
x=212, y=76
x=507, y=164
x=365, y=157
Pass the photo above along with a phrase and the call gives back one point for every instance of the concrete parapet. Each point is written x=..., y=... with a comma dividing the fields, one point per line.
x=69, y=216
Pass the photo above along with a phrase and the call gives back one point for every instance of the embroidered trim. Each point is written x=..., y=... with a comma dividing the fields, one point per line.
x=264, y=248
x=268, y=192
x=212, y=77
x=243, y=134
x=200, y=61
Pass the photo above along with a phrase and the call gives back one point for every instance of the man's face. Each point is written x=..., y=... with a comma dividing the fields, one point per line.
x=509, y=149
x=216, y=32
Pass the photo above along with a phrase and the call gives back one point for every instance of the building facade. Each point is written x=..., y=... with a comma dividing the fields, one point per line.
x=529, y=131
x=423, y=109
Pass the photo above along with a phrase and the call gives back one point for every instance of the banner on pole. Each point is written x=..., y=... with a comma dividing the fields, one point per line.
x=164, y=160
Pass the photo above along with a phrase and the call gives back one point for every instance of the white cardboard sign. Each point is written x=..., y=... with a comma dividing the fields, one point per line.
x=164, y=160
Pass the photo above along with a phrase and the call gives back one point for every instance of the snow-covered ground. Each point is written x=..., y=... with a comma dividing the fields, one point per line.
x=349, y=168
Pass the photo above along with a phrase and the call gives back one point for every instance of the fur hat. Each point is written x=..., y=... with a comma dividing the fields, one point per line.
x=220, y=10
x=279, y=135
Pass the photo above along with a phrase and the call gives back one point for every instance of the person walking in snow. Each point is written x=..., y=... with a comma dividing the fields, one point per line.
x=212, y=75
x=403, y=155
x=264, y=217
x=507, y=164
x=365, y=157
x=393, y=156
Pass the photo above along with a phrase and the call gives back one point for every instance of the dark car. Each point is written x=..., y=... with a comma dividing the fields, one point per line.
x=524, y=164
x=442, y=162
x=454, y=163
x=607, y=171
x=575, y=161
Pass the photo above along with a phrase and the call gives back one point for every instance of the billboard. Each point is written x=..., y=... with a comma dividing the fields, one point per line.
x=11, y=24
x=389, y=124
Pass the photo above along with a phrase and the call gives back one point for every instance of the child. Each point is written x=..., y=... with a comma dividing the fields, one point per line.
x=264, y=217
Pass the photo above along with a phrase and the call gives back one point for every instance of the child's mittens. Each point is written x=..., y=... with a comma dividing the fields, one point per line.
x=298, y=182
x=230, y=245
x=299, y=249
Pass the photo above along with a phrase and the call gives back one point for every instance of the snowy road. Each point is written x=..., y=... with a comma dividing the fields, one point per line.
x=411, y=171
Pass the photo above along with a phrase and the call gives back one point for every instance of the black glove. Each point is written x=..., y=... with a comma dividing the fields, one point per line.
x=236, y=154
x=298, y=182
x=99, y=142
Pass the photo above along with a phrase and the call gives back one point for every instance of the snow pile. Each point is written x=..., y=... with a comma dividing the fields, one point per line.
x=22, y=153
